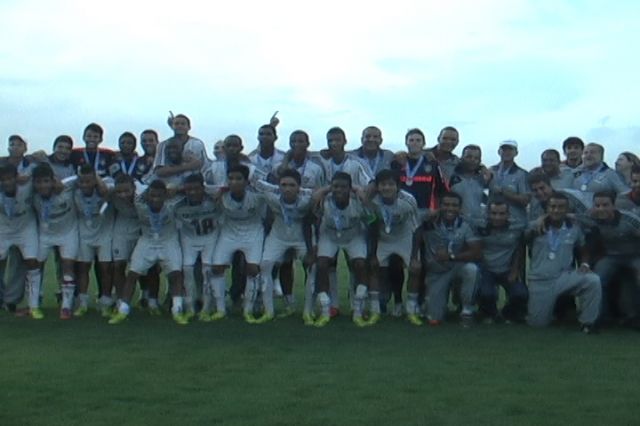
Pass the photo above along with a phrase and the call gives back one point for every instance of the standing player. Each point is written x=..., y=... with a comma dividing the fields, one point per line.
x=572, y=148
x=631, y=200
x=60, y=159
x=298, y=159
x=552, y=271
x=448, y=140
x=57, y=227
x=18, y=228
x=126, y=161
x=394, y=232
x=242, y=213
x=95, y=225
x=560, y=177
x=197, y=215
x=470, y=179
x=502, y=256
x=98, y=158
x=451, y=253
x=595, y=176
x=372, y=156
x=158, y=243
x=192, y=149
x=291, y=231
x=510, y=181
x=267, y=158
x=342, y=227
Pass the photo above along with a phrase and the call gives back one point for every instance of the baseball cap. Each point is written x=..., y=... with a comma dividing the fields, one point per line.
x=509, y=142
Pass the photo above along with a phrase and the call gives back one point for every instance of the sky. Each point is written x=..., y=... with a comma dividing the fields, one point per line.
x=533, y=71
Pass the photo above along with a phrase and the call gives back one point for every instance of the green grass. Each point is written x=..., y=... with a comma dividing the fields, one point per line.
x=152, y=371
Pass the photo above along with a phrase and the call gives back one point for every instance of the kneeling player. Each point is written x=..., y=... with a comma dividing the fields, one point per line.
x=158, y=243
x=342, y=227
x=393, y=233
x=18, y=227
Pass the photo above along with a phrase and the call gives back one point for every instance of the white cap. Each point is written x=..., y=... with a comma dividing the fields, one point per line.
x=509, y=142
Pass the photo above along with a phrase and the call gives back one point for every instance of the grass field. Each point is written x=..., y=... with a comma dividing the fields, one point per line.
x=150, y=371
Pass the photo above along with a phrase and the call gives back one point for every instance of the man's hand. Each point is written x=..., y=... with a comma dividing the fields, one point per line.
x=274, y=121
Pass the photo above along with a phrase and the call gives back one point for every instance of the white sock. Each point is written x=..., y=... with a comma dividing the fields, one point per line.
x=189, y=287
x=250, y=294
x=105, y=301
x=124, y=308
x=153, y=303
x=467, y=310
x=374, y=302
x=84, y=300
x=267, y=294
x=219, y=287
x=33, y=284
x=176, y=306
x=325, y=303
x=358, y=300
x=309, y=289
x=412, y=304
x=145, y=294
x=68, y=289
x=333, y=288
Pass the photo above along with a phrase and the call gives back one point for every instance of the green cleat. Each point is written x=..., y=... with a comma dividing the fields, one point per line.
x=189, y=315
x=288, y=311
x=360, y=322
x=249, y=319
x=180, y=319
x=81, y=311
x=106, y=312
x=414, y=319
x=373, y=319
x=264, y=318
x=307, y=319
x=204, y=316
x=118, y=318
x=36, y=313
x=322, y=321
x=219, y=315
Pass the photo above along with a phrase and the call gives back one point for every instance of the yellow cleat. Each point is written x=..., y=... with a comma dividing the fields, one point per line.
x=219, y=315
x=360, y=322
x=189, y=315
x=204, y=316
x=414, y=319
x=322, y=321
x=118, y=318
x=106, y=312
x=264, y=318
x=373, y=319
x=249, y=319
x=180, y=319
x=307, y=319
x=81, y=311
x=36, y=313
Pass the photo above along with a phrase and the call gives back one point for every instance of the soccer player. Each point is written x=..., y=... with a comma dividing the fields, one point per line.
x=510, y=181
x=218, y=150
x=60, y=159
x=542, y=190
x=631, y=200
x=624, y=163
x=342, y=227
x=18, y=228
x=149, y=143
x=291, y=231
x=372, y=156
x=572, y=148
x=126, y=161
x=595, y=176
x=242, y=213
x=394, y=232
x=192, y=150
x=99, y=158
x=560, y=178
x=57, y=227
x=470, y=179
x=95, y=226
x=451, y=253
x=502, y=258
x=298, y=158
x=448, y=140
x=618, y=233
x=336, y=159
x=197, y=215
x=266, y=158
x=158, y=243
x=216, y=172
x=176, y=162
x=551, y=268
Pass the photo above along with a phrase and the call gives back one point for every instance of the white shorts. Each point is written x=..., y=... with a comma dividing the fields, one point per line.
x=122, y=246
x=227, y=246
x=26, y=241
x=67, y=244
x=148, y=252
x=275, y=249
x=356, y=248
x=87, y=251
x=192, y=248
x=400, y=247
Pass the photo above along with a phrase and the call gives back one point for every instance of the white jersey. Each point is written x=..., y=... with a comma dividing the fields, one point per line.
x=311, y=173
x=288, y=218
x=349, y=165
x=399, y=220
x=197, y=221
x=56, y=214
x=216, y=172
x=126, y=218
x=16, y=213
x=342, y=225
x=266, y=167
x=95, y=216
x=193, y=147
x=159, y=226
x=242, y=220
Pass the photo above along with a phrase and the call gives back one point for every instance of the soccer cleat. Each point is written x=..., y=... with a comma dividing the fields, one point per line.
x=334, y=312
x=181, y=319
x=106, y=311
x=118, y=318
x=415, y=319
x=65, y=313
x=189, y=315
x=81, y=311
x=264, y=318
x=36, y=313
x=219, y=315
x=435, y=322
x=249, y=319
x=307, y=319
x=360, y=322
x=374, y=318
x=288, y=311
x=466, y=320
x=322, y=321
x=204, y=316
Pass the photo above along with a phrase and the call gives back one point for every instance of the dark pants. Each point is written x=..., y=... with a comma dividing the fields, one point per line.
x=517, y=296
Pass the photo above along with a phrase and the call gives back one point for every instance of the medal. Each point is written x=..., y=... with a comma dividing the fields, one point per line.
x=44, y=226
x=553, y=241
x=411, y=171
x=338, y=234
x=583, y=187
x=387, y=229
x=552, y=255
x=409, y=182
x=386, y=218
x=156, y=236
